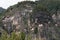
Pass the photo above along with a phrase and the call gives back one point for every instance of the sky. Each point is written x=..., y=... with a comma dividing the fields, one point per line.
x=6, y=3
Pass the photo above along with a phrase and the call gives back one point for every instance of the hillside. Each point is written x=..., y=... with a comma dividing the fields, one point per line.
x=38, y=20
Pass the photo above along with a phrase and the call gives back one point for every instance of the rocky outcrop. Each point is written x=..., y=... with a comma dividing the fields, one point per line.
x=20, y=19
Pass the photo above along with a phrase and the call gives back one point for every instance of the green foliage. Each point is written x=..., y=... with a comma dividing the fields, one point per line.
x=13, y=36
x=39, y=7
x=22, y=36
x=36, y=30
x=29, y=37
x=4, y=36
x=51, y=5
